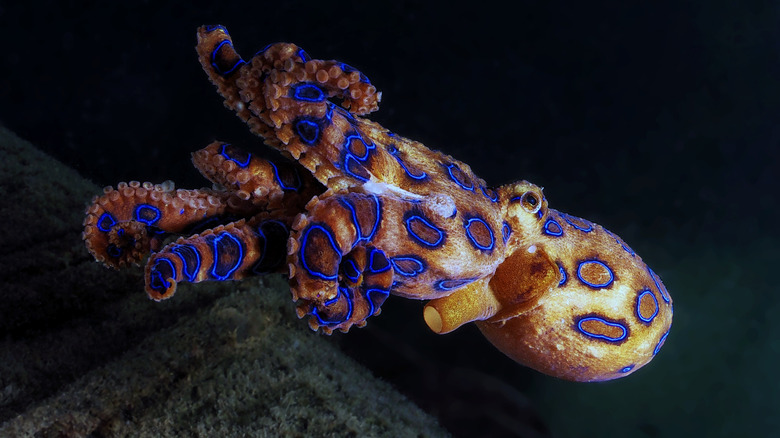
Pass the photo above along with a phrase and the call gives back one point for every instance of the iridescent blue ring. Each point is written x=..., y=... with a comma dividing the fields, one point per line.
x=596, y=285
x=553, y=228
x=439, y=240
x=473, y=240
x=417, y=265
x=142, y=209
x=639, y=304
x=624, y=331
x=215, y=248
x=304, y=245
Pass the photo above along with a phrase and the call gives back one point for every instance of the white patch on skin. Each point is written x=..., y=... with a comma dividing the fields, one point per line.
x=532, y=249
x=595, y=351
x=380, y=188
x=442, y=205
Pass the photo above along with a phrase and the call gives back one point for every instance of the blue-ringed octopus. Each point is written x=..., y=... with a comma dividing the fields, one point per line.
x=358, y=213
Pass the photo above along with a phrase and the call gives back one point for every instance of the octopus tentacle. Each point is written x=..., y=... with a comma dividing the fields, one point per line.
x=124, y=224
x=245, y=90
x=267, y=184
x=227, y=252
x=336, y=275
x=284, y=97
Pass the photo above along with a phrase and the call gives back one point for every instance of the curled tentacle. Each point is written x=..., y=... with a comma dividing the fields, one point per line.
x=125, y=224
x=336, y=275
x=364, y=281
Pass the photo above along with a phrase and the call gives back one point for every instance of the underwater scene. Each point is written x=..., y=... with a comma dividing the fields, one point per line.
x=427, y=219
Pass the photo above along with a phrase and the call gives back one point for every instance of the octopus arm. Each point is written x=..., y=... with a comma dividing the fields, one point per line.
x=124, y=224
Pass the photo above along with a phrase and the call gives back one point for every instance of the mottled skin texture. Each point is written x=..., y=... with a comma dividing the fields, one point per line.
x=361, y=213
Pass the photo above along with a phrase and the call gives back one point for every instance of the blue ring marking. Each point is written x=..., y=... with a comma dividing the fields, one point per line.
x=344, y=113
x=358, y=228
x=562, y=271
x=358, y=231
x=539, y=214
x=394, y=152
x=263, y=50
x=142, y=212
x=303, y=55
x=627, y=248
x=304, y=245
x=378, y=215
x=462, y=184
x=588, y=229
x=377, y=264
x=661, y=288
x=621, y=243
x=308, y=130
x=661, y=342
x=187, y=254
x=506, y=231
x=216, y=245
x=351, y=271
x=114, y=251
x=401, y=267
x=307, y=92
x=553, y=228
x=238, y=63
x=345, y=292
x=372, y=301
x=596, y=285
x=156, y=280
x=493, y=196
x=639, y=304
x=473, y=240
x=603, y=321
x=279, y=179
x=368, y=147
x=627, y=369
x=352, y=165
x=346, y=68
x=352, y=162
x=105, y=222
x=425, y=222
x=212, y=27
x=227, y=156
x=329, y=111
x=450, y=284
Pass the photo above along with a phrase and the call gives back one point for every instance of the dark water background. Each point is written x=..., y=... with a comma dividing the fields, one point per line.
x=658, y=121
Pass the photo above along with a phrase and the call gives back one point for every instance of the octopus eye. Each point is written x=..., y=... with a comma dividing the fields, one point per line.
x=531, y=202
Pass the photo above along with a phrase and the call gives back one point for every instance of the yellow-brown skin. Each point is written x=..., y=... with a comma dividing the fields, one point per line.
x=386, y=215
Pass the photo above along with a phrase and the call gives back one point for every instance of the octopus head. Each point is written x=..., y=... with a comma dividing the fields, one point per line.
x=576, y=302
